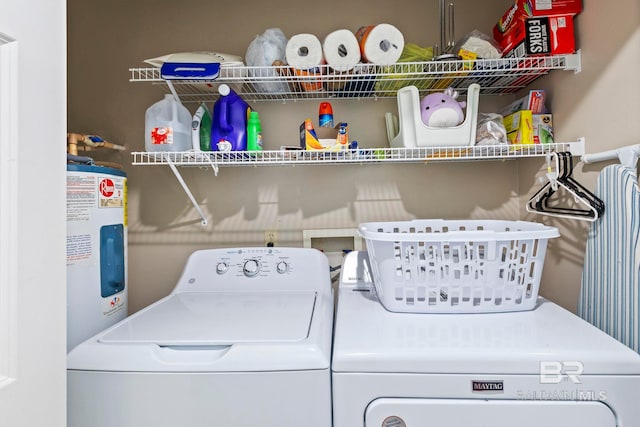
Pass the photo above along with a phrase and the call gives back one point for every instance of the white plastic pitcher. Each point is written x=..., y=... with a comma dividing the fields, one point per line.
x=167, y=126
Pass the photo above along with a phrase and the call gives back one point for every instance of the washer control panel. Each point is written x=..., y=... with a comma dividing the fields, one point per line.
x=255, y=263
x=252, y=269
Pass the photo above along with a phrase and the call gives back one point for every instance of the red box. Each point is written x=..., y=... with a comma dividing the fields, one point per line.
x=523, y=9
x=542, y=35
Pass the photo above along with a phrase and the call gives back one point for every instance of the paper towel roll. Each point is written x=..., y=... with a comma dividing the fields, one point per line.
x=304, y=52
x=380, y=44
x=341, y=50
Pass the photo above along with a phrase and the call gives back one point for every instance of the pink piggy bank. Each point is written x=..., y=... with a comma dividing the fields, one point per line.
x=441, y=109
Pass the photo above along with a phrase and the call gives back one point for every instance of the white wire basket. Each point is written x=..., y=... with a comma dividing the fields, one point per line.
x=448, y=266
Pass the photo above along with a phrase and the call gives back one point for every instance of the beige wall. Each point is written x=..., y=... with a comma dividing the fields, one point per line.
x=599, y=104
x=107, y=38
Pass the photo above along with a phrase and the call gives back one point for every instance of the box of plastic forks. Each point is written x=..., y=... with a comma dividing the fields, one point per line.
x=541, y=35
x=522, y=10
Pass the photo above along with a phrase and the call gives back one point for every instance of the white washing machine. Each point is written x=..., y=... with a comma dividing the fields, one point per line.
x=544, y=367
x=244, y=339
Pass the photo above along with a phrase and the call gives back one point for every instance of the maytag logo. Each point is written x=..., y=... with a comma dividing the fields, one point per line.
x=487, y=386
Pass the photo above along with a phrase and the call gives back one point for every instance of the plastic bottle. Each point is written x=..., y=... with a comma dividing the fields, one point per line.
x=167, y=126
x=201, y=129
x=229, y=122
x=325, y=115
x=254, y=132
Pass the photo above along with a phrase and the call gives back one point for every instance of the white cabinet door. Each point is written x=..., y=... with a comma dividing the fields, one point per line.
x=32, y=213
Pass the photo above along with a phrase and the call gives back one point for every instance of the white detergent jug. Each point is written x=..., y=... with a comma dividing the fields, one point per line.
x=167, y=126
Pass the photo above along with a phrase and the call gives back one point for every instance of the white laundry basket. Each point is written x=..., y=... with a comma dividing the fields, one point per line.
x=446, y=266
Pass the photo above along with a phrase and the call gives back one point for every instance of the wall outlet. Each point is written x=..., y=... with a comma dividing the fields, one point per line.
x=270, y=237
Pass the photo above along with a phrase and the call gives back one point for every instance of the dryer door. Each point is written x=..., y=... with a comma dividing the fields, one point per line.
x=388, y=412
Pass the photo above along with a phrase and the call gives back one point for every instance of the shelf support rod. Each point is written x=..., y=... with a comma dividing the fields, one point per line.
x=173, y=91
x=627, y=156
x=175, y=171
x=213, y=166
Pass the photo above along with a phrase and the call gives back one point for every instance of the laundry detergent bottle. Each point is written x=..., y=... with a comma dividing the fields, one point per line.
x=167, y=126
x=229, y=124
x=254, y=132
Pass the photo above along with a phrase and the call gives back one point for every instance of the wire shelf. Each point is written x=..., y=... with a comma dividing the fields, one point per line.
x=357, y=156
x=495, y=76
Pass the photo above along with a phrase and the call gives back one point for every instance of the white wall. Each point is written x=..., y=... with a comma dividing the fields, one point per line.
x=37, y=396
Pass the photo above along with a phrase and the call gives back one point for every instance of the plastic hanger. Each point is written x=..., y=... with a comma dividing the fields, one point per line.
x=568, y=180
x=592, y=206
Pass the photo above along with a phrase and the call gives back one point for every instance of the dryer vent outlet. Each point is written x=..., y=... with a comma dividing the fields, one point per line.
x=333, y=242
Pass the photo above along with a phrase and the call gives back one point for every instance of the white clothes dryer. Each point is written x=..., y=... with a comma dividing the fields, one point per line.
x=543, y=367
x=244, y=339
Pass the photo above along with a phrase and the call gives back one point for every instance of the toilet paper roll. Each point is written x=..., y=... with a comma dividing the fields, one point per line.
x=380, y=44
x=304, y=52
x=341, y=50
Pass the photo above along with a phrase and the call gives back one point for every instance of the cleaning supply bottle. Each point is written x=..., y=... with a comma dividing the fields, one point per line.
x=229, y=121
x=254, y=132
x=201, y=129
x=167, y=126
x=325, y=115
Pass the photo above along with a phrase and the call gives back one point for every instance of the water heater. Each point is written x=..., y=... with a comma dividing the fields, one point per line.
x=96, y=250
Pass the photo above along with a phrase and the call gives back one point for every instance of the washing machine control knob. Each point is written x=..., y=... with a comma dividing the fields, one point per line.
x=282, y=267
x=222, y=268
x=251, y=267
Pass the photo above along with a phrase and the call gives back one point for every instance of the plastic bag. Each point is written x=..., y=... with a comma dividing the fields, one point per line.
x=263, y=51
x=483, y=46
x=491, y=130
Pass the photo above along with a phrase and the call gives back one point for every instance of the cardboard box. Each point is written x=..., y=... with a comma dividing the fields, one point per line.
x=323, y=138
x=542, y=128
x=523, y=9
x=545, y=35
x=523, y=127
x=519, y=126
x=534, y=101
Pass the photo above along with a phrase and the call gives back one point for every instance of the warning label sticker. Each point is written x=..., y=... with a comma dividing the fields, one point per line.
x=81, y=196
x=78, y=248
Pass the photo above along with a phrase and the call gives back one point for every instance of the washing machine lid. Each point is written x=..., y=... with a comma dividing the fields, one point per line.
x=215, y=319
x=369, y=338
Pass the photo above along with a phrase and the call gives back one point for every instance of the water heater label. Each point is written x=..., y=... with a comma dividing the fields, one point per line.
x=111, y=192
